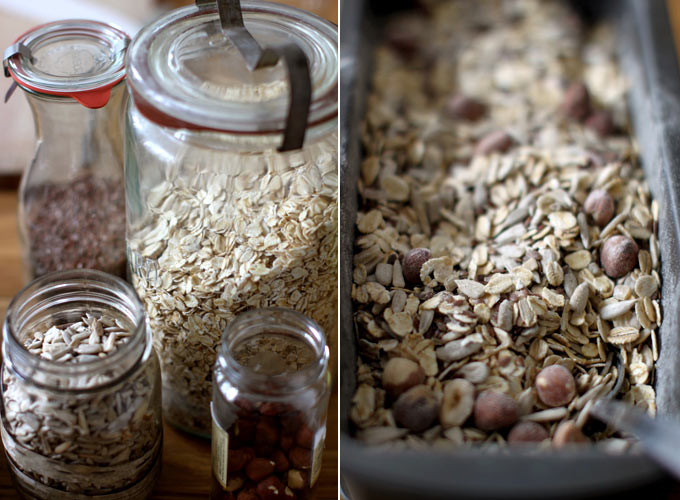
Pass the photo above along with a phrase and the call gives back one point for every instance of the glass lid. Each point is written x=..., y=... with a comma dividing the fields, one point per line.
x=183, y=72
x=77, y=58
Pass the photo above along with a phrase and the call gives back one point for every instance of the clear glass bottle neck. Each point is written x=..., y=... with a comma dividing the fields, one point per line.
x=63, y=296
x=276, y=321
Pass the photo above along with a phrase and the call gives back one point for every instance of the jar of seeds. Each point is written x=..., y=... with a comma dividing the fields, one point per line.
x=81, y=395
x=270, y=397
x=71, y=198
x=224, y=214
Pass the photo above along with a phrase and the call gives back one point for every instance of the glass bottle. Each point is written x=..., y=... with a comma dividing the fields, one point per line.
x=71, y=197
x=81, y=396
x=270, y=398
x=219, y=220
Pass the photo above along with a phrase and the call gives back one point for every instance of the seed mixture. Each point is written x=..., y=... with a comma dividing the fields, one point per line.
x=258, y=231
x=93, y=442
x=506, y=259
x=76, y=225
x=274, y=354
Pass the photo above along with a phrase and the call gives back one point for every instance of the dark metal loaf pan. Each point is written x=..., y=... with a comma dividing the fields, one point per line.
x=648, y=57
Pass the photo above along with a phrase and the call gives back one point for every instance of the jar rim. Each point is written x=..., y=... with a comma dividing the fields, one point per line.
x=273, y=320
x=76, y=58
x=169, y=60
x=59, y=287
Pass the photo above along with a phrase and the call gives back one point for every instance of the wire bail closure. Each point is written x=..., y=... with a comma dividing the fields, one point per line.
x=256, y=57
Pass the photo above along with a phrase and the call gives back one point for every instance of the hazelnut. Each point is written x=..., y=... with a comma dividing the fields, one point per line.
x=576, y=102
x=457, y=403
x=400, y=374
x=555, y=385
x=281, y=462
x=305, y=437
x=259, y=468
x=271, y=489
x=247, y=495
x=237, y=459
x=266, y=433
x=463, y=107
x=301, y=458
x=244, y=432
x=568, y=432
x=600, y=206
x=287, y=442
x=412, y=263
x=494, y=410
x=416, y=409
x=618, y=255
x=296, y=479
x=527, y=432
x=601, y=122
x=271, y=409
x=497, y=141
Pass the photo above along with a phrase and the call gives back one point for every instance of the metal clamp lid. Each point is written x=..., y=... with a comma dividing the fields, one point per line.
x=94, y=98
x=256, y=57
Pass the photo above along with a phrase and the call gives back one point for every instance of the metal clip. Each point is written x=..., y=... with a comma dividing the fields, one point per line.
x=14, y=49
x=256, y=57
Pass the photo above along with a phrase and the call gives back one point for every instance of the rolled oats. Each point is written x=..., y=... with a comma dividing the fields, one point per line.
x=261, y=232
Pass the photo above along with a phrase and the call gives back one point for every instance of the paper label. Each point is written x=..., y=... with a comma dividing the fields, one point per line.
x=220, y=451
x=319, y=439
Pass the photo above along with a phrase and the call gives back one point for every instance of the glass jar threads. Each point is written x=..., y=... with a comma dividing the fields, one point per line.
x=81, y=396
x=270, y=397
x=219, y=219
x=71, y=198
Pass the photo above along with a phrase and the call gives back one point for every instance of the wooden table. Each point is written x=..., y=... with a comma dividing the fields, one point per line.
x=186, y=460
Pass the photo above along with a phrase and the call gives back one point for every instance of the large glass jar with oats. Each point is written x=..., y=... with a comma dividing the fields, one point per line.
x=81, y=390
x=269, y=405
x=219, y=220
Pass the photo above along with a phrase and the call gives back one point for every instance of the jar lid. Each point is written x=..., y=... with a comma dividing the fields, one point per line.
x=75, y=58
x=183, y=72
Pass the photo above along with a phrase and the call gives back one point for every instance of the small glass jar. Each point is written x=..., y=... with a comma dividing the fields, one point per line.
x=71, y=197
x=219, y=220
x=270, y=398
x=81, y=395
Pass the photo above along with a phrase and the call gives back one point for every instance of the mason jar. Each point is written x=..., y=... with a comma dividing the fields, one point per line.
x=219, y=220
x=71, y=198
x=270, y=398
x=81, y=391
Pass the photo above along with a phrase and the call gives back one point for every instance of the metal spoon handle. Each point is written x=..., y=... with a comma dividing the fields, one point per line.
x=661, y=439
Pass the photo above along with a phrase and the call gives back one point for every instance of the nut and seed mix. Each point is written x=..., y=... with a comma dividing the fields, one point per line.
x=506, y=260
x=91, y=443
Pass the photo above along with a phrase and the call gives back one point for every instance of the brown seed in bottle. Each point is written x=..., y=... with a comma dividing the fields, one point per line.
x=413, y=262
x=568, y=432
x=237, y=459
x=527, y=432
x=287, y=442
x=600, y=206
x=272, y=489
x=416, y=409
x=266, y=432
x=305, y=437
x=494, y=410
x=296, y=479
x=463, y=107
x=259, y=468
x=301, y=458
x=618, y=255
x=281, y=462
x=497, y=141
x=576, y=102
x=247, y=495
x=555, y=385
x=400, y=374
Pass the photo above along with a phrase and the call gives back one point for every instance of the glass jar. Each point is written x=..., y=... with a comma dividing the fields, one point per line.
x=270, y=397
x=71, y=198
x=81, y=391
x=220, y=221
